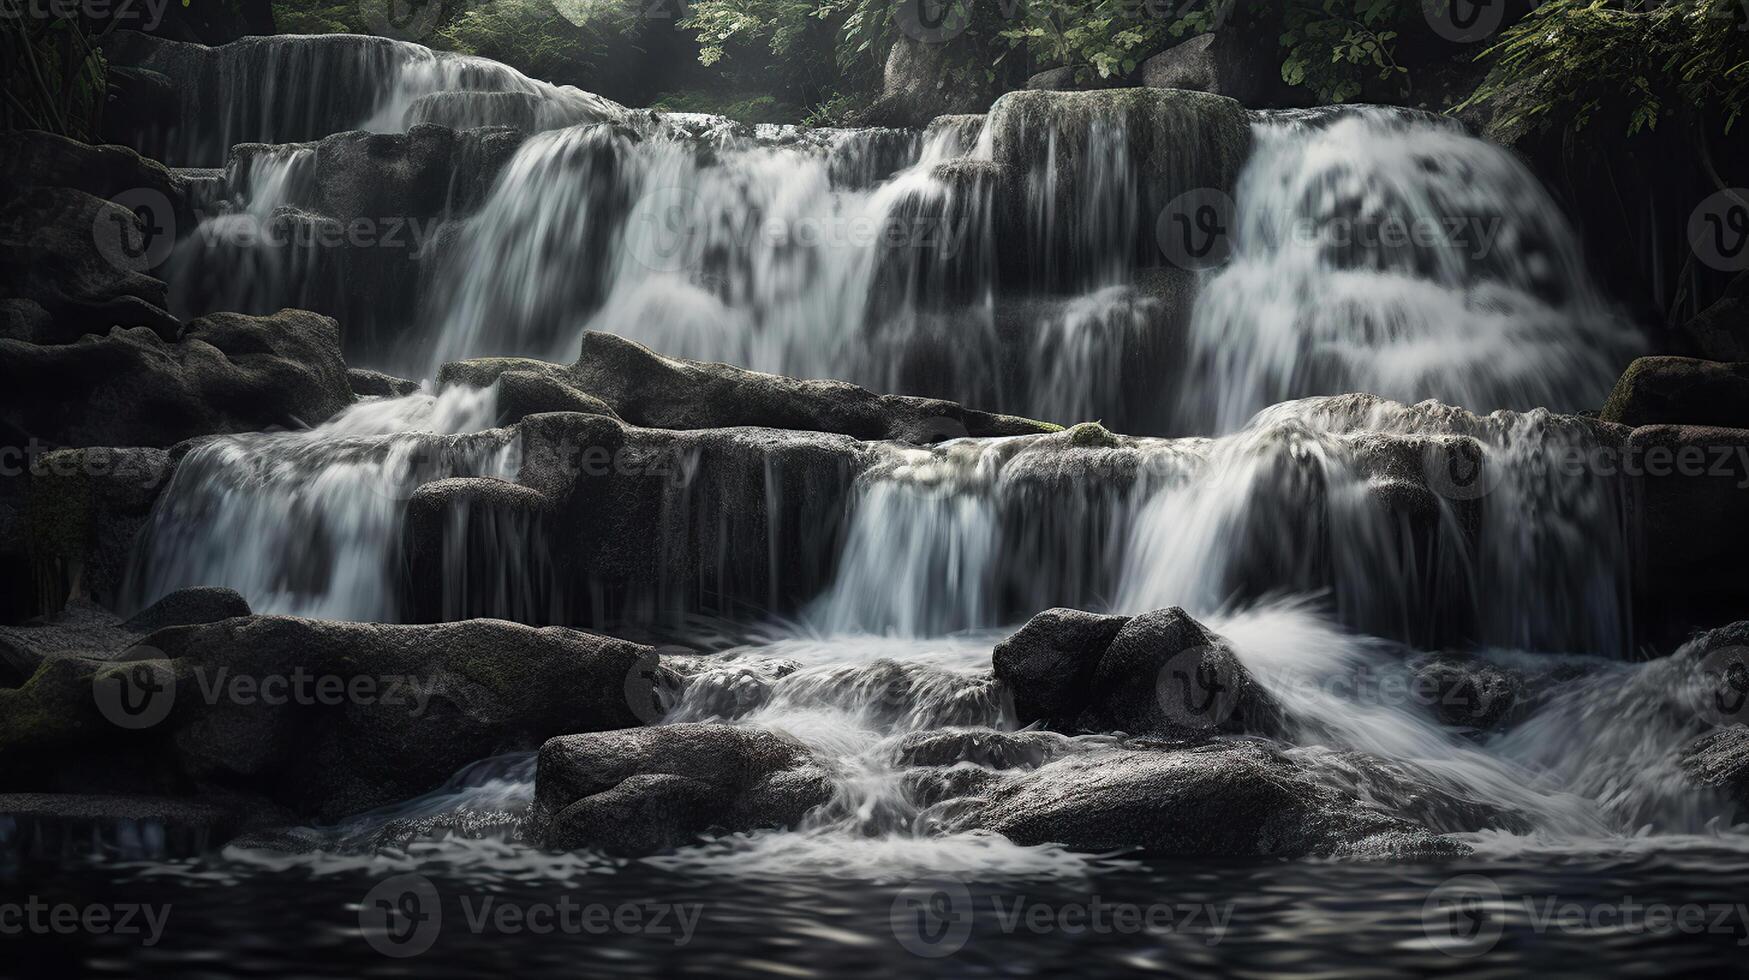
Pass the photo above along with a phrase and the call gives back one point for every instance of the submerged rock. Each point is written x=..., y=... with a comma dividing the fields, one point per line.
x=223, y=373
x=640, y=792
x=376, y=384
x=325, y=719
x=1224, y=799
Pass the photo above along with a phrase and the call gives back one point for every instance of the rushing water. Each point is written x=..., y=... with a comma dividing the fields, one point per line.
x=1318, y=532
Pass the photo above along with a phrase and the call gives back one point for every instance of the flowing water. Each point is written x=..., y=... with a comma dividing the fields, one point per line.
x=1317, y=531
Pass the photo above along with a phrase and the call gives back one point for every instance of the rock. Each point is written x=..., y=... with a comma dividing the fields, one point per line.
x=1226, y=799
x=525, y=386
x=1468, y=693
x=1174, y=142
x=1688, y=486
x=224, y=373
x=73, y=264
x=476, y=546
x=32, y=159
x=60, y=826
x=85, y=507
x=919, y=82
x=649, y=389
x=1159, y=673
x=326, y=719
x=473, y=110
x=639, y=792
x=982, y=747
x=425, y=173
x=1680, y=391
x=375, y=384
x=1054, y=80
x=84, y=628
x=1721, y=331
x=1188, y=65
x=1719, y=759
x=1048, y=665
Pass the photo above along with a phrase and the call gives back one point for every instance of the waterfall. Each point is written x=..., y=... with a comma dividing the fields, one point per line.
x=1383, y=251
x=310, y=523
x=1279, y=452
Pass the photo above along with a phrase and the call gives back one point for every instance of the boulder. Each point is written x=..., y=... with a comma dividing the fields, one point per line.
x=31, y=159
x=648, y=790
x=326, y=719
x=1688, y=489
x=375, y=384
x=1224, y=799
x=1160, y=673
x=85, y=507
x=920, y=81
x=1721, y=331
x=73, y=264
x=1719, y=760
x=1469, y=693
x=1680, y=391
x=223, y=373
x=525, y=386
x=1048, y=665
x=89, y=630
x=649, y=389
x=1103, y=165
x=1187, y=65
x=62, y=826
x=425, y=173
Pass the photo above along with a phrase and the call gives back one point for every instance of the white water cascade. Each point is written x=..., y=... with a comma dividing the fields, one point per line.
x=1287, y=491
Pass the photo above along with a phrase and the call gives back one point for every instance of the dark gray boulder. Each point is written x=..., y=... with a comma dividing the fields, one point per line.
x=86, y=629
x=223, y=373
x=1048, y=665
x=1224, y=799
x=376, y=384
x=1680, y=391
x=84, y=508
x=650, y=389
x=325, y=719
x=73, y=264
x=1160, y=673
x=1721, y=331
x=648, y=790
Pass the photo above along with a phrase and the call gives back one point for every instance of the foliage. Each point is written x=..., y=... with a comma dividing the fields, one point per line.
x=540, y=38
x=1573, y=60
x=741, y=107
x=1333, y=46
x=55, y=79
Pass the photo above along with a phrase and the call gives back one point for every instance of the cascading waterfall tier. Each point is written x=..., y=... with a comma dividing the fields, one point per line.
x=1385, y=251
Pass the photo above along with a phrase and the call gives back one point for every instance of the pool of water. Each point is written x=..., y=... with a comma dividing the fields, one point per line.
x=1630, y=911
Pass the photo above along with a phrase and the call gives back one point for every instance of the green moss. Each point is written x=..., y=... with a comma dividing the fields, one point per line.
x=1092, y=435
